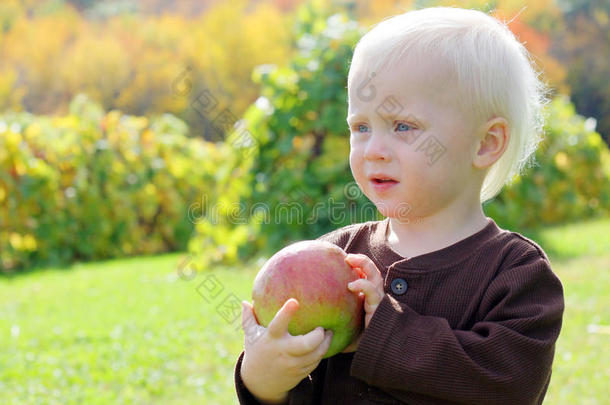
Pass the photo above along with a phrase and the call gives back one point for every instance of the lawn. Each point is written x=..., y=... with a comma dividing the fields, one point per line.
x=133, y=332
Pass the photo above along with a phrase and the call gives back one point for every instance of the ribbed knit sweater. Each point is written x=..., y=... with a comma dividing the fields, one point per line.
x=472, y=323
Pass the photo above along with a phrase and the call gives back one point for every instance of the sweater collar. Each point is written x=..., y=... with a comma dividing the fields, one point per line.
x=443, y=257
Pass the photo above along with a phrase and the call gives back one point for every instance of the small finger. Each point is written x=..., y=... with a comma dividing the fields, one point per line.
x=305, y=344
x=371, y=295
x=316, y=355
x=366, y=264
x=278, y=326
x=359, y=271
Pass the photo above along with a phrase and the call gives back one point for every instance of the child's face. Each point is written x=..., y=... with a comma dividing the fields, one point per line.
x=407, y=125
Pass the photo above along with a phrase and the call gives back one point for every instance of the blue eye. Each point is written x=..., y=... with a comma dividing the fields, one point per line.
x=360, y=126
x=404, y=127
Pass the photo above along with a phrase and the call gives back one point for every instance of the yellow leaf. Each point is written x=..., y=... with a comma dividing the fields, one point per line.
x=561, y=160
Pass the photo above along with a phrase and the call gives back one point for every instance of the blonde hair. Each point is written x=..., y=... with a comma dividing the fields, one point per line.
x=493, y=72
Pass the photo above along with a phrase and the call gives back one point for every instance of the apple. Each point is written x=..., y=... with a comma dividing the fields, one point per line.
x=315, y=274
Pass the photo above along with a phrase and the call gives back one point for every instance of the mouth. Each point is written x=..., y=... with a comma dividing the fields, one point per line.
x=382, y=179
x=382, y=183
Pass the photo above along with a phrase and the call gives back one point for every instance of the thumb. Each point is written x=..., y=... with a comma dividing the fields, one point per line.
x=278, y=326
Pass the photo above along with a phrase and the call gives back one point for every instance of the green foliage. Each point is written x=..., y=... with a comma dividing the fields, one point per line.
x=297, y=178
x=92, y=185
x=302, y=166
x=571, y=180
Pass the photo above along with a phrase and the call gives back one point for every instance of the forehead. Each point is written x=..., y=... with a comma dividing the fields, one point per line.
x=408, y=82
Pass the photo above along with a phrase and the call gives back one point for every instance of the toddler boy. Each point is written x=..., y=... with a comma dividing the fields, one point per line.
x=444, y=109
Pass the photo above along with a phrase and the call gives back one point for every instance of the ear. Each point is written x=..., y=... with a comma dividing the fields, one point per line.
x=492, y=142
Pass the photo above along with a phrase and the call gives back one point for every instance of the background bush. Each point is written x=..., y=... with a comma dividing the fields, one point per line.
x=571, y=178
x=296, y=177
x=93, y=181
x=95, y=184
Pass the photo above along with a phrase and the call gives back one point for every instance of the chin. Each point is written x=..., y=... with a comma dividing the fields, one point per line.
x=398, y=210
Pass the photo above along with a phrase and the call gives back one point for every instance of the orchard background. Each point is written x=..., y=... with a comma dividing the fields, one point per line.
x=189, y=140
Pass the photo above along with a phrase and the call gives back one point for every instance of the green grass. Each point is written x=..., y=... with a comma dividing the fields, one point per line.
x=117, y=332
x=586, y=238
x=132, y=332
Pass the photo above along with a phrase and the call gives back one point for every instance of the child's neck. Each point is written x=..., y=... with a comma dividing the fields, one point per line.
x=432, y=233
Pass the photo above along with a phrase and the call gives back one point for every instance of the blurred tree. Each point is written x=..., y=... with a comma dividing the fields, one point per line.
x=296, y=184
x=222, y=48
x=131, y=61
x=9, y=11
x=583, y=45
x=534, y=25
x=105, y=8
x=32, y=51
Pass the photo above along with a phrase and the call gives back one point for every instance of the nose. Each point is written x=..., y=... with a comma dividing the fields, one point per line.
x=376, y=148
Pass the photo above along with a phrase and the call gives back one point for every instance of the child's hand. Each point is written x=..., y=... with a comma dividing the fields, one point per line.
x=274, y=361
x=371, y=287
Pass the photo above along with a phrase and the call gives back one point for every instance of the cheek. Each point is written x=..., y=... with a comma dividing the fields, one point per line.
x=356, y=163
x=355, y=160
x=456, y=162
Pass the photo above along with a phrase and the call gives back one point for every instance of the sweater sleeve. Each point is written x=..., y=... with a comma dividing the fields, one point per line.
x=505, y=358
x=307, y=392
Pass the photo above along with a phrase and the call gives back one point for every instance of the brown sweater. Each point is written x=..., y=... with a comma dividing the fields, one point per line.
x=472, y=323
